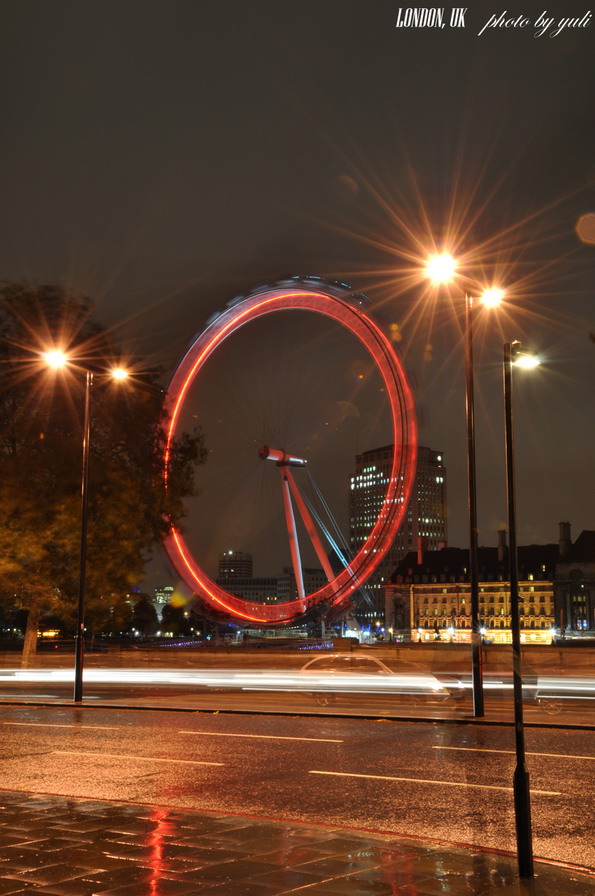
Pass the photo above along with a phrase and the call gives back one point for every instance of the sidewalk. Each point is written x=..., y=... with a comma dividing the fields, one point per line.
x=68, y=847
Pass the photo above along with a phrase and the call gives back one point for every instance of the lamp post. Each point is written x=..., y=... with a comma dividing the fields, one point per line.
x=522, y=798
x=58, y=359
x=79, y=638
x=442, y=269
x=476, y=654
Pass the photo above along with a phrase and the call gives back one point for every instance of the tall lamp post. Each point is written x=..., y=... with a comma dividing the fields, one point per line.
x=58, y=360
x=79, y=638
x=522, y=797
x=441, y=269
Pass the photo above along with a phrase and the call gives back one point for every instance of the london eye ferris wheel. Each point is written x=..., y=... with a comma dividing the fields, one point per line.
x=350, y=311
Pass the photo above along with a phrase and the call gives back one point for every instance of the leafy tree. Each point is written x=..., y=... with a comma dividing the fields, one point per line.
x=144, y=616
x=176, y=620
x=183, y=619
x=41, y=415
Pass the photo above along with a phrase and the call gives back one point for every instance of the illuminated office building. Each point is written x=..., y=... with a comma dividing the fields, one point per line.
x=424, y=527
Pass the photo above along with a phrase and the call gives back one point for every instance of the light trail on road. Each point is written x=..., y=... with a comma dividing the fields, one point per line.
x=295, y=692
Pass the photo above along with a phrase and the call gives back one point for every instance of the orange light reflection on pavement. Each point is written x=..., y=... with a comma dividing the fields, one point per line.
x=156, y=842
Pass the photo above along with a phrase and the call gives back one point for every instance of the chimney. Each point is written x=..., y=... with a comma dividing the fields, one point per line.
x=565, y=540
x=502, y=547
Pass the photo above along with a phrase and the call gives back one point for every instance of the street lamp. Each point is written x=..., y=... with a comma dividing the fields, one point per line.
x=58, y=360
x=442, y=269
x=522, y=800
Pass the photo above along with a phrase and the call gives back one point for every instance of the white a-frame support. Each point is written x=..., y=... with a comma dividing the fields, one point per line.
x=284, y=462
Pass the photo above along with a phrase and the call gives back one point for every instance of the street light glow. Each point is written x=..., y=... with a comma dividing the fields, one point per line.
x=492, y=297
x=441, y=268
x=55, y=358
x=119, y=373
x=527, y=361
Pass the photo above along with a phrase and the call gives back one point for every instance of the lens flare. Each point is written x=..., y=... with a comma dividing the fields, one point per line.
x=55, y=358
x=492, y=297
x=441, y=268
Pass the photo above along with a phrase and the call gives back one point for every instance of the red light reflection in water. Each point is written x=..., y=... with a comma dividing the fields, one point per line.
x=156, y=842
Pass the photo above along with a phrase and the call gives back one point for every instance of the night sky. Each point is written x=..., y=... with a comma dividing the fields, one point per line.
x=163, y=156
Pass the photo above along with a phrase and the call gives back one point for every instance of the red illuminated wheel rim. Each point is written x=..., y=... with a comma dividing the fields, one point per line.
x=340, y=306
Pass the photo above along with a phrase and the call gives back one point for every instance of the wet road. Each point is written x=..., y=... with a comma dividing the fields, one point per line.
x=437, y=780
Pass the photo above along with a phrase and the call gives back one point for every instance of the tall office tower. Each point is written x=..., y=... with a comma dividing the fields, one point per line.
x=235, y=565
x=424, y=527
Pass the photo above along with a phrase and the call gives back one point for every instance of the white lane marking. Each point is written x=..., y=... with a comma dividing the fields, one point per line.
x=317, y=740
x=429, y=781
x=59, y=725
x=129, y=756
x=512, y=752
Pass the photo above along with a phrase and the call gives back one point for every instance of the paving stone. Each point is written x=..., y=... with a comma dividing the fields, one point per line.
x=244, y=888
x=24, y=860
x=49, y=874
x=165, y=887
x=75, y=887
x=8, y=886
x=118, y=877
x=287, y=878
x=50, y=844
x=228, y=871
x=291, y=856
x=346, y=887
x=90, y=848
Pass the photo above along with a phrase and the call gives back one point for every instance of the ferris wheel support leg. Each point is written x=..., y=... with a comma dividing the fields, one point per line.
x=293, y=538
x=310, y=528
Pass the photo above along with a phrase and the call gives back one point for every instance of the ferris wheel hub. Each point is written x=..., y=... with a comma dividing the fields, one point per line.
x=281, y=457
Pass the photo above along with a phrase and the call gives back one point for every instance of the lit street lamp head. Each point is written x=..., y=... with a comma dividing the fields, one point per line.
x=441, y=268
x=55, y=358
x=492, y=297
x=526, y=360
x=58, y=360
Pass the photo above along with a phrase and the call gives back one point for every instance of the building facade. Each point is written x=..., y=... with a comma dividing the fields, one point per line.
x=575, y=583
x=430, y=596
x=424, y=526
x=161, y=597
x=235, y=565
x=235, y=575
x=314, y=579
